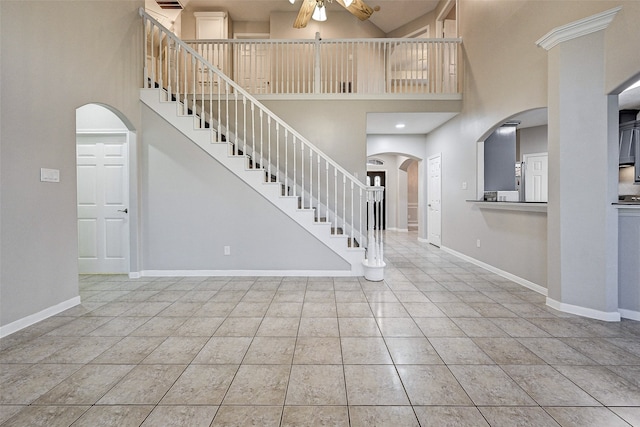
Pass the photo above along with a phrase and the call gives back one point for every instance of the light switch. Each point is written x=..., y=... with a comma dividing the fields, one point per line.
x=464, y=185
x=49, y=175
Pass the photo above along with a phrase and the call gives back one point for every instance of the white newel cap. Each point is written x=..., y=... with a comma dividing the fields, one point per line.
x=577, y=29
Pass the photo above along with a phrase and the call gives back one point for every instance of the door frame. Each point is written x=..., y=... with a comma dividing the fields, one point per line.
x=429, y=158
x=128, y=136
x=449, y=4
x=525, y=159
x=135, y=258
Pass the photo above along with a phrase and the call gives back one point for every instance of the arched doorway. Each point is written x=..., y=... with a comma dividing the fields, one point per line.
x=104, y=144
x=410, y=167
x=402, y=191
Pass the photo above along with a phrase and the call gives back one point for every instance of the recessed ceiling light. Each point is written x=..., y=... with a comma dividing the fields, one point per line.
x=400, y=126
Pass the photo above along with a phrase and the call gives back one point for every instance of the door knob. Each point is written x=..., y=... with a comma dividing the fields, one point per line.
x=125, y=210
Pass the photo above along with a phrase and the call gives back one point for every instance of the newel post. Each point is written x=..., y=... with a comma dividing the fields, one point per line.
x=374, y=260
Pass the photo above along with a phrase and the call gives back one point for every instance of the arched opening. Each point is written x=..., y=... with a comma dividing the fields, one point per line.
x=106, y=192
x=506, y=152
x=410, y=168
x=402, y=187
x=629, y=144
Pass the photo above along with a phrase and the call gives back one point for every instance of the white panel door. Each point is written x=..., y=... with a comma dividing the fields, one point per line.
x=103, y=194
x=434, y=200
x=252, y=67
x=536, y=181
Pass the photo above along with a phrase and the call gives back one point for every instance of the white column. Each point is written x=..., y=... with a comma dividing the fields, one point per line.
x=583, y=172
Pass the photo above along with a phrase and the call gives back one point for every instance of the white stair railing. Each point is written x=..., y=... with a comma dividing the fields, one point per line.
x=359, y=66
x=235, y=117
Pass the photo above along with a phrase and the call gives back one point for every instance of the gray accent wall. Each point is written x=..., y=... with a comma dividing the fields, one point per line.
x=499, y=160
x=192, y=207
x=56, y=56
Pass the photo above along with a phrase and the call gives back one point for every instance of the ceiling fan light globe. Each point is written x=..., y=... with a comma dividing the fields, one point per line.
x=319, y=14
x=292, y=1
x=347, y=3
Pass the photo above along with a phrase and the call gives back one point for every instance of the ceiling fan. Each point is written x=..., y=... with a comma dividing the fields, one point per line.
x=316, y=9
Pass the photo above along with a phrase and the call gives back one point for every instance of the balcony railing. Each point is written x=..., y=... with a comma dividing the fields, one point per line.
x=353, y=66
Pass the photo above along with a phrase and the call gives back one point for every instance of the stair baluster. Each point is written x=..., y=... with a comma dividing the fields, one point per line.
x=203, y=93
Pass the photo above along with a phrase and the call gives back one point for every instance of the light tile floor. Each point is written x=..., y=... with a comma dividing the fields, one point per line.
x=440, y=342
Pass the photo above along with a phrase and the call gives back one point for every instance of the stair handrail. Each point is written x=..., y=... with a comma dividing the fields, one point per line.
x=250, y=97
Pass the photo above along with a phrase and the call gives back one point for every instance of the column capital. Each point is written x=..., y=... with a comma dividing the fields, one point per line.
x=579, y=28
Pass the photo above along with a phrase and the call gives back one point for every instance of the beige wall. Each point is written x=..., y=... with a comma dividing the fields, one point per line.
x=339, y=128
x=56, y=56
x=622, y=39
x=505, y=76
x=340, y=25
x=415, y=25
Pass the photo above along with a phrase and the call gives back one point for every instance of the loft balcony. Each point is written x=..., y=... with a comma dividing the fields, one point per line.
x=424, y=69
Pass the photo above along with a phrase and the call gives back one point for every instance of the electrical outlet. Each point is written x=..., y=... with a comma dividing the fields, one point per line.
x=478, y=243
x=464, y=185
x=227, y=250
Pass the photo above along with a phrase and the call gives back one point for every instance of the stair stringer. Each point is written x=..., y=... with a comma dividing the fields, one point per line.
x=255, y=178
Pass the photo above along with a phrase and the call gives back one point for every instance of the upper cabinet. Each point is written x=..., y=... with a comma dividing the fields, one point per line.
x=629, y=136
x=629, y=141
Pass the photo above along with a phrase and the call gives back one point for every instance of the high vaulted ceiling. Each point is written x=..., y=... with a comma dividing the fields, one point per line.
x=392, y=14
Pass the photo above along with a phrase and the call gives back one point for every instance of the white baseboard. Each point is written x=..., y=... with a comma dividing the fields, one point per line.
x=134, y=275
x=247, y=273
x=421, y=240
x=629, y=314
x=399, y=230
x=519, y=280
x=37, y=317
x=584, y=311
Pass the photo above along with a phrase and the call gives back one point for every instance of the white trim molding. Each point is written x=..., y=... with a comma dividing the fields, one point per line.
x=37, y=317
x=399, y=230
x=577, y=29
x=629, y=314
x=519, y=280
x=248, y=273
x=584, y=311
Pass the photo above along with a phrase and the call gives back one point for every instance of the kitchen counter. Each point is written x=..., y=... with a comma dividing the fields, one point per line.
x=511, y=206
x=629, y=260
x=628, y=205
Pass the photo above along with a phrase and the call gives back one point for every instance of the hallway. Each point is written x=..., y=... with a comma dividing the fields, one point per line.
x=439, y=341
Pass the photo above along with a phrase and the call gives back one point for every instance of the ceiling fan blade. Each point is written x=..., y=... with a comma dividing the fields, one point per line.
x=306, y=10
x=359, y=9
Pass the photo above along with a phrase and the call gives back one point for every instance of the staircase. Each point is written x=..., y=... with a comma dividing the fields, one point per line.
x=260, y=149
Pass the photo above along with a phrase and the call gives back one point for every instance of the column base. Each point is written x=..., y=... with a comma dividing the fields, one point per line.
x=373, y=272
